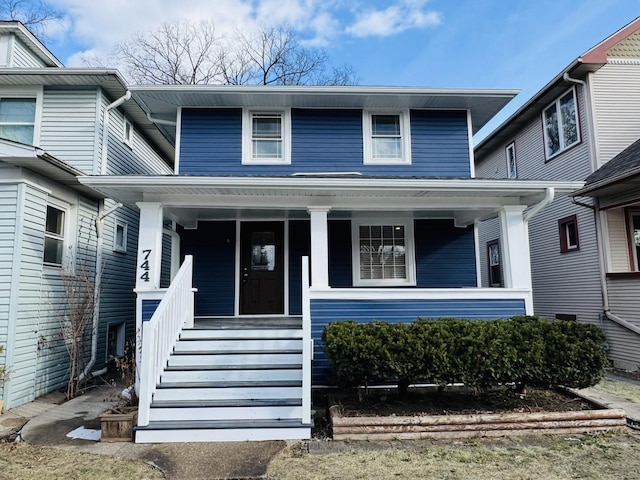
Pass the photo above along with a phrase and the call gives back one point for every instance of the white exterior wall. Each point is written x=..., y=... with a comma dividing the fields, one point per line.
x=21, y=56
x=618, y=243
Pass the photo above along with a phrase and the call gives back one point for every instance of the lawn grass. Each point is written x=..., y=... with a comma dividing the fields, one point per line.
x=602, y=457
x=619, y=388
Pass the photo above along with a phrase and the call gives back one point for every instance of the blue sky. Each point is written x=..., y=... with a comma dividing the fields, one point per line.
x=518, y=44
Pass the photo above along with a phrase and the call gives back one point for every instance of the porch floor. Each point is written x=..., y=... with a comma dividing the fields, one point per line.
x=247, y=322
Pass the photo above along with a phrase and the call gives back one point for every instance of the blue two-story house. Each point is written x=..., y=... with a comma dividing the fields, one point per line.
x=292, y=207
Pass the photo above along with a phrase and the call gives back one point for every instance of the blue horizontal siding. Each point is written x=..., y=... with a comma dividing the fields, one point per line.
x=148, y=309
x=340, y=265
x=213, y=246
x=324, y=312
x=323, y=140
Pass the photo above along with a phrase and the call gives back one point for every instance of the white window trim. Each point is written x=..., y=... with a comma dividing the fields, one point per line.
x=405, y=135
x=247, y=143
x=67, y=227
x=556, y=102
x=22, y=92
x=511, y=147
x=127, y=139
x=409, y=253
x=125, y=226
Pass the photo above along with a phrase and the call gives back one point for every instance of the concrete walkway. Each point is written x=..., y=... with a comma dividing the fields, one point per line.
x=608, y=400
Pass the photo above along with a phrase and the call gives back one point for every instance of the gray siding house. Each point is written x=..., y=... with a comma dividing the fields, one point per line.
x=581, y=264
x=57, y=123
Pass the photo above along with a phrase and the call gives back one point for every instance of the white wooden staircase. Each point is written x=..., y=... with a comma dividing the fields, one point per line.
x=231, y=380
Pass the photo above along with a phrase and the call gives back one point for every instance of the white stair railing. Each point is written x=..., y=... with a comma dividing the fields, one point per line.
x=160, y=333
x=307, y=343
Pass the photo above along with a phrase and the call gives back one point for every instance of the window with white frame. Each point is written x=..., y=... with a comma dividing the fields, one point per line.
x=568, y=231
x=512, y=167
x=561, y=124
x=54, y=236
x=115, y=341
x=383, y=253
x=387, y=138
x=127, y=132
x=17, y=119
x=633, y=227
x=266, y=137
x=120, y=236
x=495, y=267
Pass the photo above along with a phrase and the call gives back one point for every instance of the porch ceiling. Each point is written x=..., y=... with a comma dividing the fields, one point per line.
x=189, y=199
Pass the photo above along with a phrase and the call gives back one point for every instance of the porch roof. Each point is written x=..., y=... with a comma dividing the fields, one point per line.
x=187, y=199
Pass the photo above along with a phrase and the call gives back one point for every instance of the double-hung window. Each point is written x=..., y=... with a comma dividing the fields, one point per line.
x=495, y=267
x=17, y=119
x=633, y=227
x=54, y=233
x=384, y=253
x=568, y=231
x=387, y=139
x=561, y=124
x=266, y=137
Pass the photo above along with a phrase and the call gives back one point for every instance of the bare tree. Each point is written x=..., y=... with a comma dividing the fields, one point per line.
x=180, y=52
x=34, y=15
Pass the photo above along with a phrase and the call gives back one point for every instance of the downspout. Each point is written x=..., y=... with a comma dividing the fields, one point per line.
x=160, y=121
x=549, y=195
x=105, y=129
x=97, y=283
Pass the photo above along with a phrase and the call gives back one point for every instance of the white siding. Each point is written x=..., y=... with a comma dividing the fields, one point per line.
x=22, y=57
x=69, y=125
x=616, y=99
x=618, y=245
x=623, y=302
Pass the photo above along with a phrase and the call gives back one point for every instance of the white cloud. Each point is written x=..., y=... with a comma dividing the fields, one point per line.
x=404, y=15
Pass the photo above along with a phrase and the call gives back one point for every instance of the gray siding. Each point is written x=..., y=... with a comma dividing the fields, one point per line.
x=623, y=302
x=618, y=244
x=69, y=125
x=22, y=56
x=616, y=100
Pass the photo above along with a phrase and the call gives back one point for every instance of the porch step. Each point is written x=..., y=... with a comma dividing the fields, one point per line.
x=226, y=375
x=246, y=409
x=244, y=334
x=256, y=366
x=243, y=345
x=217, y=358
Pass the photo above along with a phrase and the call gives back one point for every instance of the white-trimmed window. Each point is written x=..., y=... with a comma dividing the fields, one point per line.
x=383, y=253
x=387, y=137
x=127, y=132
x=495, y=267
x=633, y=229
x=561, y=124
x=54, y=236
x=266, y=137
x=512, y=166
x=120, y=236
x=18, y=119
x=568, y=233
x=115, y=341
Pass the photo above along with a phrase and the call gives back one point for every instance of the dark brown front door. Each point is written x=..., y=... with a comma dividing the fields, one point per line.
x=261, y=268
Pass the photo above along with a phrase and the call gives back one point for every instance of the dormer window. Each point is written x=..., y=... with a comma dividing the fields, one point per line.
x=387, y=138
x=266, y=137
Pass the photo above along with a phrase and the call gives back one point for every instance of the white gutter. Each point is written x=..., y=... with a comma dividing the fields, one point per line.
x=159, y=121
x=548, y=198
x=105, y=129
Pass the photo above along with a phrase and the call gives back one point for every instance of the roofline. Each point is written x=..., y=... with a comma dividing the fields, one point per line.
x=66, y=71
x=606, y=182
x=598, y=53
x=39, y=48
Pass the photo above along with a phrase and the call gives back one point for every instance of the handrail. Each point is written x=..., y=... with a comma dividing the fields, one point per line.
x=307, y=344
x=160, y=333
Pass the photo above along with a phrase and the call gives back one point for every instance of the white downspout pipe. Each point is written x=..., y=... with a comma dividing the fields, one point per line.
x=549, y=195
x=97, y=284
x=160, y=121
x=105, y=129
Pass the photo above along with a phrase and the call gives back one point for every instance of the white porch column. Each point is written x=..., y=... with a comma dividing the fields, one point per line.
x=149, y=246
x=515, y=247
x=319, y=246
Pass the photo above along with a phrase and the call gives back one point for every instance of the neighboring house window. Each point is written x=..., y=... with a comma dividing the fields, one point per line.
x=495, y=269
x=266, y=137
x=561, y=126
x=512, y=167
x=568, y=231
x=54, y=233
x=120, y=237
x=633, y=219
x=115, y=341
x=17, y=119
x=127, y=133
x=387, y=138
x=383, y=253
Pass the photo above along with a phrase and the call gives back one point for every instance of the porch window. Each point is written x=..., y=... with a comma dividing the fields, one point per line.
x=512, y=167
x=561, y=124
x=54, y=232
x=568, y=231
x=384, y=254
x=266, y=137
x=17, y=119
x=120, y=237
x=495, y=267
x=633, y=226
x=387, y=138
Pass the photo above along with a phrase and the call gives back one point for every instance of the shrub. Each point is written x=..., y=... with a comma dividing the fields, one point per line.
x=479, y=353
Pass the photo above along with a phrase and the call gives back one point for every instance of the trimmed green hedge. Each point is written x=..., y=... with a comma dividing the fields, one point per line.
x=479, y=353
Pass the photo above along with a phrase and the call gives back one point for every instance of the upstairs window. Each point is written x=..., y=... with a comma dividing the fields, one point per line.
x=384, y=253
x=120, y=237
x=512, y=167
x=266, y=137
x=495, y=267
x=568, y=231
x=387, y=138
x=561, y=125
x=17, y=119
x=54, y=232
x=127, y=133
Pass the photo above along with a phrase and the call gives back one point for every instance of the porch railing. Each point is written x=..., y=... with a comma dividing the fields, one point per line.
x=160, y=333
x=307, y=343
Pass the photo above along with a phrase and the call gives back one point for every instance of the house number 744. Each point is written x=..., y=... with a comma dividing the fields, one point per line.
x=145, y=265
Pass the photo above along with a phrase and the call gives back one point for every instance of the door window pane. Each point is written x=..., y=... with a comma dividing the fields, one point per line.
x=263, y=251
